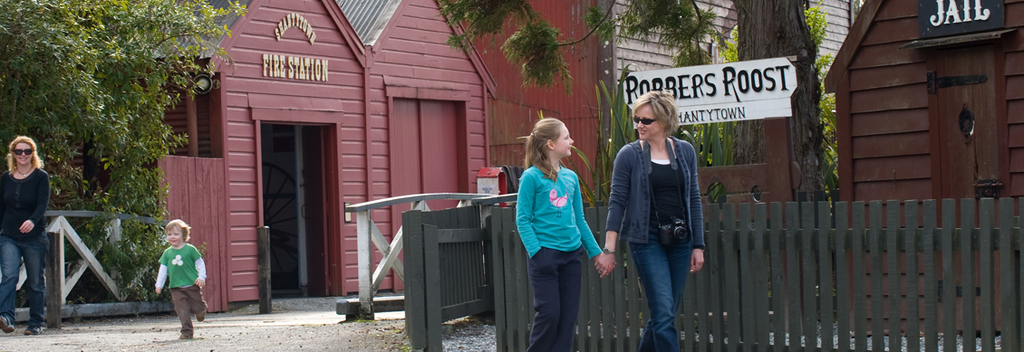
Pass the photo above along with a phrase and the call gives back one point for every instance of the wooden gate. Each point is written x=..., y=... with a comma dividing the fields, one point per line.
x=448, y=260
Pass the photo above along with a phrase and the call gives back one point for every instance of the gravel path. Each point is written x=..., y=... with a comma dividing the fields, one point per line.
x=295, y=325
x=469, y=334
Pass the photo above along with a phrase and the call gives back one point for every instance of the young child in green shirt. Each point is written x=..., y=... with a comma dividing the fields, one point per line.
x=185, y=268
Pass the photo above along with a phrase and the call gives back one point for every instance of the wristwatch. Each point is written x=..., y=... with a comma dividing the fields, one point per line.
x=607, y=251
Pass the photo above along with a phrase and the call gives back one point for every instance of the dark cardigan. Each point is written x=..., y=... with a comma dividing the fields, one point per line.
x=629, y=202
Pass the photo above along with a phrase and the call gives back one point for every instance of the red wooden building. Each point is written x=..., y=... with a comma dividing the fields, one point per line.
x=321, y=107
x=928, y=101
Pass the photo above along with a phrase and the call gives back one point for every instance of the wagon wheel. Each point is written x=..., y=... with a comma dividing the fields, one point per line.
x=278, y=195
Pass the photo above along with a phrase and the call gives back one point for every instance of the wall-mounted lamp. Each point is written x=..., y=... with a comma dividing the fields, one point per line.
x=202, y=83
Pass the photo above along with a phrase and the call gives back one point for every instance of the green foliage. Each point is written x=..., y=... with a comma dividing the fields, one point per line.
x=535, y=45
x=818, y=24
x=535, y=48
x=90, y=81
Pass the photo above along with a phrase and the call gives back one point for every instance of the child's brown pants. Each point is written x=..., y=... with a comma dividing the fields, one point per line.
x=187, y=301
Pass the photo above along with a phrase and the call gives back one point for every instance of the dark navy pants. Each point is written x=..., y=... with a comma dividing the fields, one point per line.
x=555, y=277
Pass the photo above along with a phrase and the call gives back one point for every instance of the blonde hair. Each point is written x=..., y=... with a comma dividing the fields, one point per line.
x=547, y=129
x=185, y=229
x=663, y=106
x=11, y=164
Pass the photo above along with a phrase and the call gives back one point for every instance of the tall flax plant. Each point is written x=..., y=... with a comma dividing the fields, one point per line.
x=612, y=111
x=712, y=141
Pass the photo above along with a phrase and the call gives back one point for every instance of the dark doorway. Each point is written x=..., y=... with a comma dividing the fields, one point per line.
x=294, y=207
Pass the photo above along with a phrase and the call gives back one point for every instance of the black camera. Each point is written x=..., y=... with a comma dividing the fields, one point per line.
x=674, y=231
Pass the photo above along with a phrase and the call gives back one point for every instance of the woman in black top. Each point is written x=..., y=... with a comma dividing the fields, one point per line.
x=655, y=206
x=25, y=188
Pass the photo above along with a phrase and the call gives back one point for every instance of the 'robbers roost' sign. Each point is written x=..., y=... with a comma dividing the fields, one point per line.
x=737, y=91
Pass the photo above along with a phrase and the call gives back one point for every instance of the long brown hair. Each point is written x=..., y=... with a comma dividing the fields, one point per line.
x=11, y=164
x=547, y=129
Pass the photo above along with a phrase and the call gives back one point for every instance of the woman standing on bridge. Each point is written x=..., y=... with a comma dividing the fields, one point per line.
x=655, y=206
x=25, y=188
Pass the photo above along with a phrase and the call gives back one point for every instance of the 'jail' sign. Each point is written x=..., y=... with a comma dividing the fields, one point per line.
x=938, y=18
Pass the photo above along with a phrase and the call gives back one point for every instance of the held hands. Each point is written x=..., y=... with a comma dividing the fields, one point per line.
x=27, y=226
x=604, y=263
x=696, y=260
x=200, y=283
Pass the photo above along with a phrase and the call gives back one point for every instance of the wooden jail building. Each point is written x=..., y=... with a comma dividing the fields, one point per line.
x=929, y=100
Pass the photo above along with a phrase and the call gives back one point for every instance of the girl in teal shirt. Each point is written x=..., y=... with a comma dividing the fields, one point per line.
x=549, y=217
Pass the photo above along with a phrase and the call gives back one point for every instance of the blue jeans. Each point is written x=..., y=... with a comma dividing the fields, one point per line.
x=662, y=273
x=555, y=277
x=34, y=251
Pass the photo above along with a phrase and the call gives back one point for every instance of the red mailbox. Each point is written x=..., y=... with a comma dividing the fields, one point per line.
x=490, y=180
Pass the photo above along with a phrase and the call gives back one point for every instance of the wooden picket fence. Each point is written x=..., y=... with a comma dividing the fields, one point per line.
x=773, y=281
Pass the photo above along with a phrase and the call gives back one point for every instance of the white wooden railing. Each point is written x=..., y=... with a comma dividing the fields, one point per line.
x=368, y=232
x=70, y=275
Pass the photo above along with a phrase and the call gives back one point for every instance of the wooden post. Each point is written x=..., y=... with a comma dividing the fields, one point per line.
x=779, y=157
x=192, y=126
x=263, y=262
x=54, y=281
x=365, y=256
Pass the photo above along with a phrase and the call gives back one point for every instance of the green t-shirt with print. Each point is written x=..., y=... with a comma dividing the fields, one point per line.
x=181, y=265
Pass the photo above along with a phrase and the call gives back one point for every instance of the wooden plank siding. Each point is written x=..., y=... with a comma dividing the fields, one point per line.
x=250, y=96
x=176, y=118
x=888, y=112
x=1013, y=68
x=195, y=196
x=514, y=108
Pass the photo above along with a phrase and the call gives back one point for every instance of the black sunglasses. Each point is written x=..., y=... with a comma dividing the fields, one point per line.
x=22, y=151
x=644, y=121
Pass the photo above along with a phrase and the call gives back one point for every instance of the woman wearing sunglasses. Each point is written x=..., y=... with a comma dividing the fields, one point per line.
x=655, y=206
x=25, y=188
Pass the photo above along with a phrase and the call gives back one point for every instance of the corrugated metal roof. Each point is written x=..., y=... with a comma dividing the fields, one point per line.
x=230, y=19
x=368, y=17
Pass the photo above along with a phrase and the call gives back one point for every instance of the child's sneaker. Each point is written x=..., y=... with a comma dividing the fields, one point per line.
x=6, y=325
x=201, y=316
x=34, y=330
x=184, y=337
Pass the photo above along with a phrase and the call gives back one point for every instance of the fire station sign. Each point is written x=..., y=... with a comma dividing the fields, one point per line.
x=746, y=90
x=949, y=17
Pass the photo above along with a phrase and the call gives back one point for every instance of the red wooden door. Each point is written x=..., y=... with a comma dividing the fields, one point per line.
x=967, y=121
x=425, y=157
x=426, y=149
